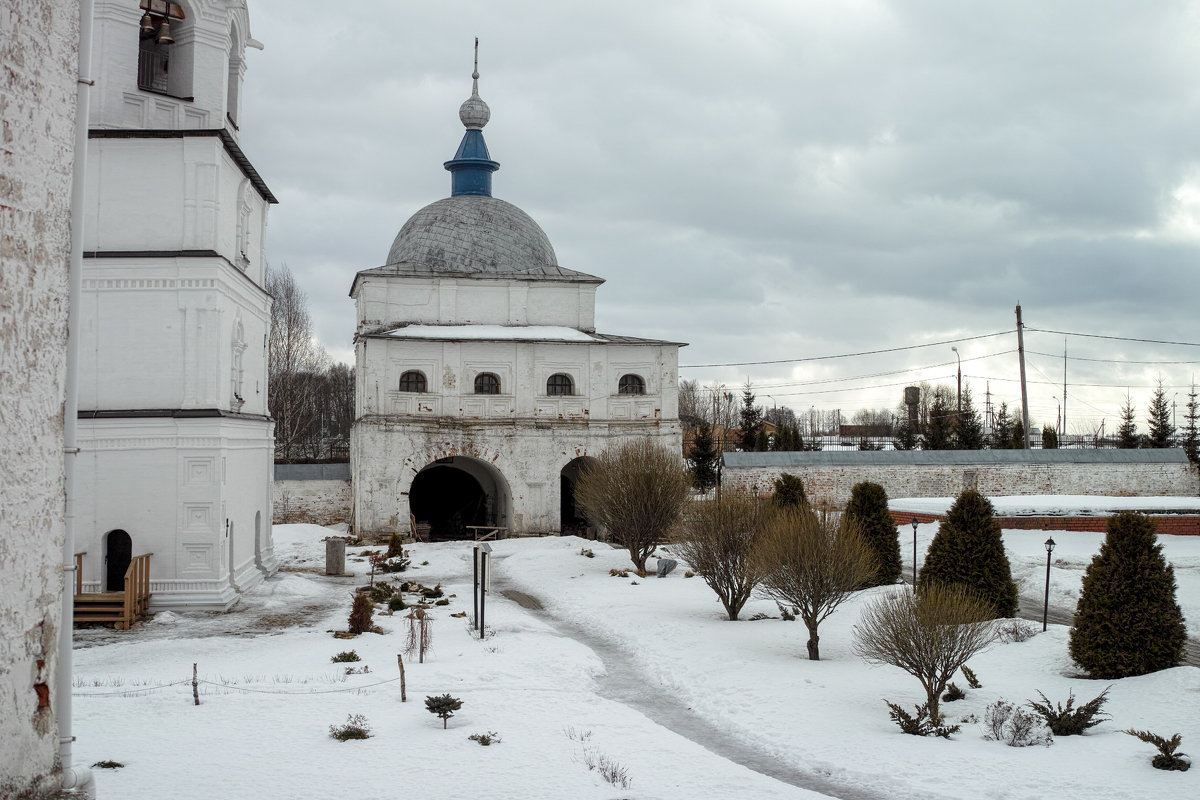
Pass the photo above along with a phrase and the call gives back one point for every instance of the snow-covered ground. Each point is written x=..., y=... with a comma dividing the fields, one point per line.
x=637, y=674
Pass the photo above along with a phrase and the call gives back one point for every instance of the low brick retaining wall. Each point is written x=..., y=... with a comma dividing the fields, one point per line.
x=1182, y=524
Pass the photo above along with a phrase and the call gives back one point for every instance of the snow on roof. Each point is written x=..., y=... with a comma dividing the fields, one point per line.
x=537, y=333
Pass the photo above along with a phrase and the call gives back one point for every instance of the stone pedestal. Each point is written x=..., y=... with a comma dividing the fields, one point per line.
x=335, y=556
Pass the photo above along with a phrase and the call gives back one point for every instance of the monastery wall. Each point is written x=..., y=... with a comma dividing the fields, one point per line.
x=832, y=483
x=38, y=67
x=320, y=502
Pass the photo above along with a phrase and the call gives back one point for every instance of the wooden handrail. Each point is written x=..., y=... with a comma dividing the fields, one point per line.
x=137, y=588
x=79, y=572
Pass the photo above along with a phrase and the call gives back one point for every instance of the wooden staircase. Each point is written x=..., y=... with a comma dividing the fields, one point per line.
x=120, y=608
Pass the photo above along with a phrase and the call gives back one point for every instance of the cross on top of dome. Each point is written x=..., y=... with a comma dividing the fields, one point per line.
x=474, y=113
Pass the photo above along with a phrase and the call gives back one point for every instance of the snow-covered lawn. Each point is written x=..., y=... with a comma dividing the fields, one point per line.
x=643, y=675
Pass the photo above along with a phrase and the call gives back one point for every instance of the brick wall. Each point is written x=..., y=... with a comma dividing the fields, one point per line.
x=831, y=484
x=320, y=502
x=38, y=69
x=1167, y=524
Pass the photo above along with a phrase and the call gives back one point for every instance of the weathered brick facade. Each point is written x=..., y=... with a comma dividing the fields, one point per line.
x=829, y=476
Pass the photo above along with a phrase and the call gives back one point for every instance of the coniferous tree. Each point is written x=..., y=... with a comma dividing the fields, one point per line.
x=789, y=492
x=941, y=424
x=1191, y=434
x=750, y=419
x=1158, y=420
x=1002, y=430
x=1049, y=438
x=1018, y=436
x=1127, y=435
x=968, y=427
x=906, y=438
x=868, y=507
x=968, y=552
x=703, y=457
x=1127, y=621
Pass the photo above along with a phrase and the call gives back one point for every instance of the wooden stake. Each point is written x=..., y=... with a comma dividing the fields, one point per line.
x=195, y=685
x=403, y=691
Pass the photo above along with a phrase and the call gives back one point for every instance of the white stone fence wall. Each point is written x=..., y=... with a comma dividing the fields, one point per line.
x=829, y=477
x=315, y=493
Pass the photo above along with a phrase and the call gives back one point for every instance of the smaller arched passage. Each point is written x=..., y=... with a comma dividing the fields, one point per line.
x=454, y=494
x=572, y=521
x=118, y=552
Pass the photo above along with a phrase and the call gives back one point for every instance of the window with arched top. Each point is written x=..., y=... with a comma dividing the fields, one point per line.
x=631, y=384
x=560, y=383
x=487, y=383
x=413, y=381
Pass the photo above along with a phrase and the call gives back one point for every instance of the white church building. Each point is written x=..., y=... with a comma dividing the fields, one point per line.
x=482, y=384
x=175, y=437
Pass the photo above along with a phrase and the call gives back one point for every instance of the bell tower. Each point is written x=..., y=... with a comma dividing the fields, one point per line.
x=177, y=445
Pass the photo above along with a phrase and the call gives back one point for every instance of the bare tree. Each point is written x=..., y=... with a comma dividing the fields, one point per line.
x=636, y=491
x=930, y=636
x=293, y=358
x=813, y=562
x=719, y=540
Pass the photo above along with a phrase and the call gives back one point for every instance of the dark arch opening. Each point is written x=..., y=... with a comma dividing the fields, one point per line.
x=453, y=494
x=118, y=552
x=572, y=521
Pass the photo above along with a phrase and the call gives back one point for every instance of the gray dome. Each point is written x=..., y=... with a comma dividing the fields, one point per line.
x=473, y=234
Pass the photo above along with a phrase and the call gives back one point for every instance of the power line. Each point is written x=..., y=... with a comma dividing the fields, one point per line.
x=1104, y=360
x=1115, y=338
x=846, y=355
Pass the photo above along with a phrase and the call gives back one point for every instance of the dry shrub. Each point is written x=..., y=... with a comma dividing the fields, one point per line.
x=812, y=562
x=719, y=540
x=929, y=636
x=636, y=491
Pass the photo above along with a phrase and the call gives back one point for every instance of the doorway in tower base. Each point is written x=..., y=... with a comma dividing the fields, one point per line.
x=572, y=521
x=456, y=495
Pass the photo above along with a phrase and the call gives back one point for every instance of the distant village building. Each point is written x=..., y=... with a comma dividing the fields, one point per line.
x=482, y=384
x=176, y=441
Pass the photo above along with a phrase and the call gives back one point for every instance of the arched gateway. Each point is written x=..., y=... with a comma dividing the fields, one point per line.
x=458, y=494
x=472, y=339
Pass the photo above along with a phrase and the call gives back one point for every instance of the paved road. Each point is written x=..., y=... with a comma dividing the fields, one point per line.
x=1031, y=608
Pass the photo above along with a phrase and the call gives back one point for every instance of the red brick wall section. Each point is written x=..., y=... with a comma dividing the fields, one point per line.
x=1169, y=524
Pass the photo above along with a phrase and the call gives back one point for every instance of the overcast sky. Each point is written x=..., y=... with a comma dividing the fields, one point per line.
x=778, y=180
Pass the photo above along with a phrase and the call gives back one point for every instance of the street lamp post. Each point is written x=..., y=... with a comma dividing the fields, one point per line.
x=1046, y=605
x=914, y=524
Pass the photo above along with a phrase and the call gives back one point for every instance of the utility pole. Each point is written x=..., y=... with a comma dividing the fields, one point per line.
x=1024, y=394
x=1064, y=408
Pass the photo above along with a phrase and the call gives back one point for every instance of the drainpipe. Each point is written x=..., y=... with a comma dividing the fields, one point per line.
x=74, y=776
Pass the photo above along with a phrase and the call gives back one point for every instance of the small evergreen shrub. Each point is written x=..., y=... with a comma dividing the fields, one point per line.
x=431, y=594
x=381, y=592
x=789, y=492
x=395, y=546
x=1127, y=621
x=1167, y=757
x=443, y=706
x=356, y=727
x=921, y=724
x=953, y=693
x=486, y=739
x=397, y=603
x=788, y=614
x=345, y=656
x=968, y=551
x=445, y=601
x=108, y=764
x=868, y=507
x=361, y=614
x=1004, y=722
x=1015, y=630
x=583, y=551
x=619, y=573
x=1068, y=720
x=972, y=680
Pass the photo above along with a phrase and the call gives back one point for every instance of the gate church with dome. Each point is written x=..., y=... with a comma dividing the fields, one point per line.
x=482, y=386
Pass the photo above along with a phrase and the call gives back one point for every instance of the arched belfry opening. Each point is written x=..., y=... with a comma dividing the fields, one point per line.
x=118, y=552
x=572, y=521
x=458, y=495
